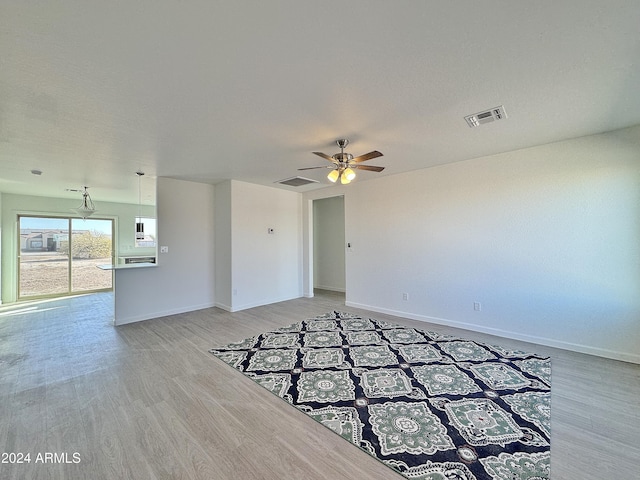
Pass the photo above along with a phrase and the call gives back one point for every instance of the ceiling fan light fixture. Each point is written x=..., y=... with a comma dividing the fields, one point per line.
x=349, y=173
x=344, y=165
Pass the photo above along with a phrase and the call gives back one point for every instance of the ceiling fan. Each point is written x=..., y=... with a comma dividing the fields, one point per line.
x=344, y=164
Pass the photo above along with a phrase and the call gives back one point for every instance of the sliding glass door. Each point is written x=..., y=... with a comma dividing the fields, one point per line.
x=60, y=256
x=44, y=262
x=91, y=246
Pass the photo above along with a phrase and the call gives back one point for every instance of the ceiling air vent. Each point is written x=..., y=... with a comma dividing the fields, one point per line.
x=296, y=181
x=488, y=116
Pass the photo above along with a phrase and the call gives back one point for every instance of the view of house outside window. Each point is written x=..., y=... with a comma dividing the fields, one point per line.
x=59, y=255
x=148, y=239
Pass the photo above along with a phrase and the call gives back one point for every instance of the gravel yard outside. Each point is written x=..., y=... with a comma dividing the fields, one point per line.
x=48, y=274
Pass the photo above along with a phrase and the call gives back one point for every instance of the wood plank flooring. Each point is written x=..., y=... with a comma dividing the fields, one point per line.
x=147, y=401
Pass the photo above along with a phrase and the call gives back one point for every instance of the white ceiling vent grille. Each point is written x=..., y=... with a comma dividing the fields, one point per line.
x=488, y=116
x=296, y=181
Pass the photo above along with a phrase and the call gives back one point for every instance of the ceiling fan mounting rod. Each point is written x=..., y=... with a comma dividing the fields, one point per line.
x=342, y=143
x=342, y=157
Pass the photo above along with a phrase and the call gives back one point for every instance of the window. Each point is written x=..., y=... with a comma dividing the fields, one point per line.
x=58, y=255
x=146, y=238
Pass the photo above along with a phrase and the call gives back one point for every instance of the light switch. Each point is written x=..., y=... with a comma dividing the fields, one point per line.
x=164, y=249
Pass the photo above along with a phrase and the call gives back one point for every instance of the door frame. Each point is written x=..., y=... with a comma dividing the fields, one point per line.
x=307, y=240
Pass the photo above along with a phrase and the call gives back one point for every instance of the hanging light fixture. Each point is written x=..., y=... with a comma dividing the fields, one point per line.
x=139, y=223
x=87, y=207
x=344, y=165
x=349, y=173
x=342, y=169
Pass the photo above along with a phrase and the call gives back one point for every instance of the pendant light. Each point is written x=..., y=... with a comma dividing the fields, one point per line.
x=87, y=207
x=139, y=223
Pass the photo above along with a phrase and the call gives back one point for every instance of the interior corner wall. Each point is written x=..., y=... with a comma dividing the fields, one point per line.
x=546, y=240
x=265, y=267
x=183, y=279
x=223, y=245
x=329, y=244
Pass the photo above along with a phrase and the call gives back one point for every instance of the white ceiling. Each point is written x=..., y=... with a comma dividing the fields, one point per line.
x=91, y=92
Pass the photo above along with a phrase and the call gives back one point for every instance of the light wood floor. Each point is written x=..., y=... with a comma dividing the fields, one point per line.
x=147, y=401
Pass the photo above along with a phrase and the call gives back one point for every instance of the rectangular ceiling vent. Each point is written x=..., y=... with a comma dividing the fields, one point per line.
x=488, y=116
x=296, y=181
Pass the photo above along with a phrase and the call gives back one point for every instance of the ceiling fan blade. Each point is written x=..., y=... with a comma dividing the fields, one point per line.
x=366, y=156
x=368, y=167
x=313, y=168
x=325, y=156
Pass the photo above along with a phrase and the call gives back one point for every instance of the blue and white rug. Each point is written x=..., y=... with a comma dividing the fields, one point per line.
x=429, y=406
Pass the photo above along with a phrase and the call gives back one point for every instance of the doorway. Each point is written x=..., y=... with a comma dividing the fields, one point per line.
x=329, y=271
x=59, y=256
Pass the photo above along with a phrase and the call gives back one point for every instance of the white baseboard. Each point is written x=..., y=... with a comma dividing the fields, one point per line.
x=549, y=342
x=223, y=306
x=162, y=313
x=257, y=304
x=331, y=289
x=228, y=308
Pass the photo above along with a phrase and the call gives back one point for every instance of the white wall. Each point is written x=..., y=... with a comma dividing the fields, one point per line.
x=184, y=278
x=223, y=245
x=256, y=268
x=329, y=244
x=547, y=239
x=12, y=205
x=266, y=268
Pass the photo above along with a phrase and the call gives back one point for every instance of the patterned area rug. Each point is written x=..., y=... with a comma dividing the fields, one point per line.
x=429, y=406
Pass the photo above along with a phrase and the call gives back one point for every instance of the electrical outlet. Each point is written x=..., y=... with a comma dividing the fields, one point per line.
x=477, y=306
x=164, y=249
x=405, y=296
